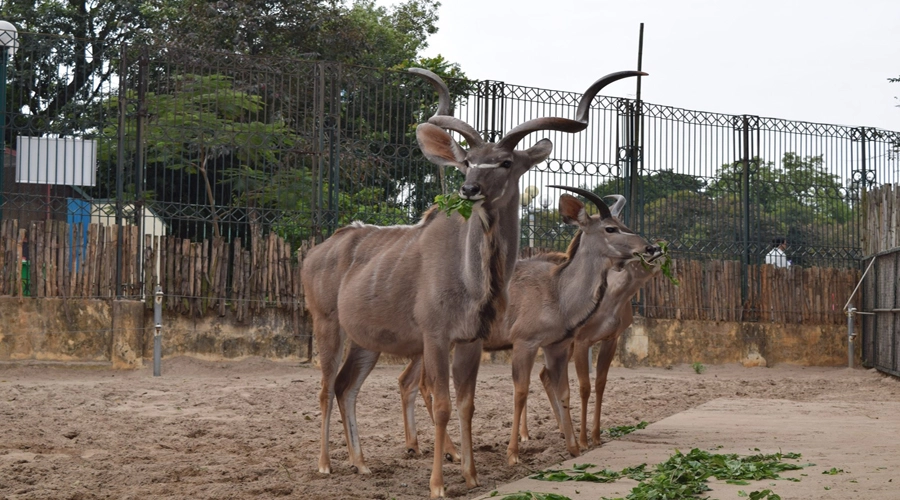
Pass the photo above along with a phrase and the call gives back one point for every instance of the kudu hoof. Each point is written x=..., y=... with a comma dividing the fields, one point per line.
x=360, y=469
x=449, y=457
x=437, y=492
x=412, y=452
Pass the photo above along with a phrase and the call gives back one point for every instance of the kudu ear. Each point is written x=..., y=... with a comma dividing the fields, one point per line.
x=539, y=152
x=572, y=210
x=439, y=147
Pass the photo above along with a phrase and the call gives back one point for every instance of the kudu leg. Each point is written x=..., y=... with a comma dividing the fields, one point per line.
x=450, y=452
x=437, y=370
x=582, y=359
x=522, y=363
x=409, y=386
x=466, y=360
x=331, y=346
x=604, y=359
x=357, y=367
x=555, y=378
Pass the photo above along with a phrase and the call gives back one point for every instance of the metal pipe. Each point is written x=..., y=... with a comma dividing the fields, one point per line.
x=851, y=335
x=859, y=283
x=157, y=337
x=4, y=61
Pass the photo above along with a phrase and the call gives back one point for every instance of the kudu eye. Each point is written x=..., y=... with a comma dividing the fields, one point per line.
x=506, y=164
x=612, y=229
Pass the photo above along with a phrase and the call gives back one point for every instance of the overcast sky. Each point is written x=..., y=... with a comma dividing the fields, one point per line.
x=822, y=61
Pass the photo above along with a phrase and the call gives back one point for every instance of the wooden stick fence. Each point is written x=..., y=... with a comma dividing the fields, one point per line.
x=882, y=219
x=215, y=276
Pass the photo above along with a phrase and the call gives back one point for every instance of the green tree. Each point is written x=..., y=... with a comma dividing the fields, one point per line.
x=654, y=185
x=205, y=124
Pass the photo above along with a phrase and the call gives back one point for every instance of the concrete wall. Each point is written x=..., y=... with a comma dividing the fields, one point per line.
x=120, y=333
x=273, y=333
x=658, y=342
x=71, y=330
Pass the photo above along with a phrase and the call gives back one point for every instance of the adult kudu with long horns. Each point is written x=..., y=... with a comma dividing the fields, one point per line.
x=422, y=289
x=551, y=296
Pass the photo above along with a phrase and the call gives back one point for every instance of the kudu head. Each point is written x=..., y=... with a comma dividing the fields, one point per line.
x=635, y=270
x=603, y=233
x=492, y=170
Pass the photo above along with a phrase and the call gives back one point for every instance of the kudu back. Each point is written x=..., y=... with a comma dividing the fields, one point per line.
x=422, y=289
x=551, y=297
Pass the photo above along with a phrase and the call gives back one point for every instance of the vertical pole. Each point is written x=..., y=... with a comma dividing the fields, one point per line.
x=636, y=143
x=120, y=174
x=4, y=61
x=745, y=205
x=851, y=335
x=157, y=337
x=319, y=109
x=139, y=164
x=626, y=155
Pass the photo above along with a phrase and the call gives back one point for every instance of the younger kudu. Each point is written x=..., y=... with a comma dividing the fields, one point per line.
x=552, y=296
x=420, y=290
x=614, y=315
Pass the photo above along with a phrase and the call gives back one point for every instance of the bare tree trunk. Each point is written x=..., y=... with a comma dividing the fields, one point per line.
x=210, y=197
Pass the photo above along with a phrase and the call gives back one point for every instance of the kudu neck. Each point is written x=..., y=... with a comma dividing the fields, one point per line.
x=582, y=284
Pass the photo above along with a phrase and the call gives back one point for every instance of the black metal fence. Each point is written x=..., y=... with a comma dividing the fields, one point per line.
x=199, y=144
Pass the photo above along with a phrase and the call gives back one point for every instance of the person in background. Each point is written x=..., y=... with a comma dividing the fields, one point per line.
x=776, y=256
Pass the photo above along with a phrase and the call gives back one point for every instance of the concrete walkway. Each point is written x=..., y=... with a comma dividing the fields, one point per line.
x=863, y=439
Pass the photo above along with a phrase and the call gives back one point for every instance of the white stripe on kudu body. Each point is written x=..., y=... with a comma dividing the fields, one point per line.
x=420, y=291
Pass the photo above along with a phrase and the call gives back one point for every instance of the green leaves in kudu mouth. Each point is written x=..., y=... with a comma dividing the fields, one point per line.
x=454, y=202
x=666, y=266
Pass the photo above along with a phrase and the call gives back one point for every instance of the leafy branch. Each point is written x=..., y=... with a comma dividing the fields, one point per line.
x=454, y=202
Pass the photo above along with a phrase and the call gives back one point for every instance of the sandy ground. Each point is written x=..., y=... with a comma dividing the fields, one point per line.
x=250, y=429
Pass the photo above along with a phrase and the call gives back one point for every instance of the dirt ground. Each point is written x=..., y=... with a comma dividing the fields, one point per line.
x=250, y=429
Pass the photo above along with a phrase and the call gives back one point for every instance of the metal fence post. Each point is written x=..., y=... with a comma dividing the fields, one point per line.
x=745, y=205
x=4, y=61
x=851, y=335
x=319, y=147
x=143, y=63
x=157, y=337
x=120, y=171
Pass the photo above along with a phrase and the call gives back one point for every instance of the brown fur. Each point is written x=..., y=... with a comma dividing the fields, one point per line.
x=551, y=296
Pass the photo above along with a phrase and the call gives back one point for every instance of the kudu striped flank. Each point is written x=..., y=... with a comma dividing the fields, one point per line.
x=551, y=297
x=420, y=290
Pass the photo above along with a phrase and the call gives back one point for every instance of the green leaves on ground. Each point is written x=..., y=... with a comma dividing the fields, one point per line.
x=530, y=495
x=454, y=202
x=760, y=495
x=685, y=475
x=621, y=430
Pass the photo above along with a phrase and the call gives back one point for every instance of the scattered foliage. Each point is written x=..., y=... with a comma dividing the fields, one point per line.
x=698, y=367
x=530, y=495
x=621, y=430
x=684, y=475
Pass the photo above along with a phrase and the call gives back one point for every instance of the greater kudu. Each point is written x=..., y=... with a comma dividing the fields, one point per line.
x=551, y=297
x=613, y=316
x=418, y=290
